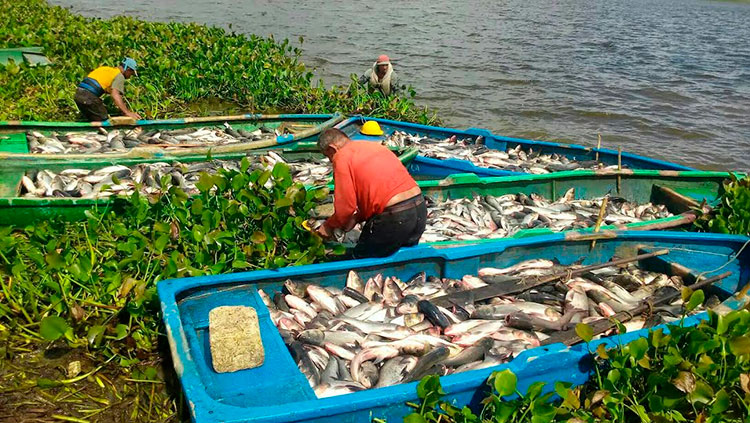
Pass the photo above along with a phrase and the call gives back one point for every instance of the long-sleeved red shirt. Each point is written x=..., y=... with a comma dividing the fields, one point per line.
x=366, y=176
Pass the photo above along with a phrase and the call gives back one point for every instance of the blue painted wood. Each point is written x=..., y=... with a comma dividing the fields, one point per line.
x=441, y=168
x=277, y=392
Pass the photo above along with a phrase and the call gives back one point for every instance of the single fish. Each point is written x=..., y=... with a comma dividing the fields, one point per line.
x=355, y=282
x=433, y=314
x=426, y=362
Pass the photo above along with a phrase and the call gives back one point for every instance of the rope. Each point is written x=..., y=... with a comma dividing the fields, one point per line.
x=700, y=275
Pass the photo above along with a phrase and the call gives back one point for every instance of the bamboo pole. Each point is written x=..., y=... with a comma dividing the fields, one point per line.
x=599, y=219
x=619, y=168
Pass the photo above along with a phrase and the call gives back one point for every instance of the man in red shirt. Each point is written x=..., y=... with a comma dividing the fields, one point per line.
x=372, y=185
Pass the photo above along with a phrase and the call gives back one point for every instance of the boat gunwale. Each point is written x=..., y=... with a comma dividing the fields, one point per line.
x=665, y=165
x=146, y=151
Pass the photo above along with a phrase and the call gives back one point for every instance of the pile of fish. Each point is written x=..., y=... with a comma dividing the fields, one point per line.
x=384, y=331
x=503, y=216
x=116, y=140
x=514, y=159
x=122, y=180
x=490, y=216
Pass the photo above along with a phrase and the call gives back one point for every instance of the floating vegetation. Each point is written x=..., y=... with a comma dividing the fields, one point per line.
x=91, y=286
x=182, y=65
x=681, y=374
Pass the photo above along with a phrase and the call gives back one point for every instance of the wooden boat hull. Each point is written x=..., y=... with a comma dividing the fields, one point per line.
x=14, y=147
x=21, y=211
x=278, y=392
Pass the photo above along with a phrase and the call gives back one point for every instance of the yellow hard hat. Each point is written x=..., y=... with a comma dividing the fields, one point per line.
x=371, y=128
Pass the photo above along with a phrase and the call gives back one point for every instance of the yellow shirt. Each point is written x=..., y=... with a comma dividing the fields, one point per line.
x=108, y=77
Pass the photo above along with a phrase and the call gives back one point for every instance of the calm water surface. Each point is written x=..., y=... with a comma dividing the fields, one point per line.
x=664, y=78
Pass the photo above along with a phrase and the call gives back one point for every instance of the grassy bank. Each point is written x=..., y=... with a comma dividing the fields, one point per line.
x=79, y=316
x=80, y=331
x=182, y=68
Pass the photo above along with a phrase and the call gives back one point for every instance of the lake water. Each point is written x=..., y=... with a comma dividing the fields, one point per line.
x=665, y=78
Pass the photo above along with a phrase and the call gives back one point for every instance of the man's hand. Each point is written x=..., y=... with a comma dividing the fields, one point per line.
x=134, y=115
x=324, y=231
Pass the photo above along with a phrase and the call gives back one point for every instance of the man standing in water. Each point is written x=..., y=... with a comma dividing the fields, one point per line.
x=381, y=77
x=371, y=184
x=105, y=79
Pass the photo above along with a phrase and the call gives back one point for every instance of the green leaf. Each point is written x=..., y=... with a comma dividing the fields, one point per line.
x=240, y=264
x=601, y=351
x=414, y=418
x=54, y=260
x=686, y=293
x=161, y=242
x=197, y=206
x=205, y=182
x=287, y=231
x=656, y=337
x=263, y=178
x=283, y=202
x=535, y=389
x=638, y=348
x=505, y=383
x=95, y=335
x=656, y=403
x=46, y=383
x=702, y=393
x=161, y=227
x=721, y=403
x=53, y=327
x=613, y=376
x=584, y=332
x=696, y=299
x=258, y=237
x=121, y=331
x=740, y=345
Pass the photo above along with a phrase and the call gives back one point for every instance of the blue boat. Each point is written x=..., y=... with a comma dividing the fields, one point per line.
x=278, y=392
x=425, y=167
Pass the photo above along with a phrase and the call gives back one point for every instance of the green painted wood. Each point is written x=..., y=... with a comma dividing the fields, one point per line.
x=33, y=56
x=635, y=185
x=13, y=144
x=19, y=211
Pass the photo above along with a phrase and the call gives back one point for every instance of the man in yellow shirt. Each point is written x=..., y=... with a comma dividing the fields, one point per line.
x=105, y=79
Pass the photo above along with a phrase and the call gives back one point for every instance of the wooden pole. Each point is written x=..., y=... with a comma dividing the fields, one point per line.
x=598, y=146
x=602, y=212
x=619, y=168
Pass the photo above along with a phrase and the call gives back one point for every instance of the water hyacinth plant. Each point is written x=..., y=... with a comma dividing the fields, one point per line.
x=181, y=68
x=95, y=280
x=732, y=215
x=681, y=374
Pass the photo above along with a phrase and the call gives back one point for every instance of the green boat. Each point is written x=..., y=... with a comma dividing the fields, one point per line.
x=19, y=211
x=681, y=192
x=284, y=129
x=32, y=56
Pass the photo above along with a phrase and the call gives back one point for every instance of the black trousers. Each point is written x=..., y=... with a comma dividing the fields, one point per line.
x=385, y=233
x=91, y=106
